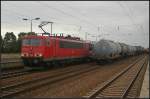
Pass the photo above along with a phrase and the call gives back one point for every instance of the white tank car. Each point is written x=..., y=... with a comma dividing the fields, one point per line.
x=132, y=50
x=124, y=49
x=106, y=49
x=139, y=49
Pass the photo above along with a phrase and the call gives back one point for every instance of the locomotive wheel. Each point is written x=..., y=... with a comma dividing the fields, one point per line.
x=26, y=63
x=49, y=64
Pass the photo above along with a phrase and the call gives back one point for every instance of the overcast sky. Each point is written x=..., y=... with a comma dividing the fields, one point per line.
x=121, y=21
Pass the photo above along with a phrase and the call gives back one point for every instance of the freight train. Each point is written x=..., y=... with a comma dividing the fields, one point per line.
x=108, y=50
x=37, y=49
x=51, y=49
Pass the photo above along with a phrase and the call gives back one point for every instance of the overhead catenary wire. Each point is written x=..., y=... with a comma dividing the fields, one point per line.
x=63, y=23
x=65, y=13
x=87, y=24
x=84, y=15
x=79, y=13
x=128, y=13
x=22, y=15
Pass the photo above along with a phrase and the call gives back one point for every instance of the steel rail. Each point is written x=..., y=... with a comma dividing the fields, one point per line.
x=14, y=74
x=67, y=70
x=133, y=80
x=32, y=81
x=19, y=61
x=50, y=81
x=107, y=83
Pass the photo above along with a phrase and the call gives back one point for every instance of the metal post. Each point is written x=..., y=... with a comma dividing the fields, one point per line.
x=31, y=26
x=85, y=35
x=96, y=38
x=98, y=32
x=80, y=29
x=51, y=28
x=30, y=21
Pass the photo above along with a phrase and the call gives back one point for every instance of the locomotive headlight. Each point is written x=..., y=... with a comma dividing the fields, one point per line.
x=22, y=54
x=27, y=54
x=40, y=54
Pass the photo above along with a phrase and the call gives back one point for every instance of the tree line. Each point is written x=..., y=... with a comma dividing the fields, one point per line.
x=11, y=44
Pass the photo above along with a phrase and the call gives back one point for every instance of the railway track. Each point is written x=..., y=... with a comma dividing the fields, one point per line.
x=10, y=59
x=7, y=62
x=12, y=90
x=120, y=84
x=15, y=73
x=6, y=65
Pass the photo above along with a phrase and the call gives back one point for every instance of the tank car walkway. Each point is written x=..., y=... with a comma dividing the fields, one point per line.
x=145, y=86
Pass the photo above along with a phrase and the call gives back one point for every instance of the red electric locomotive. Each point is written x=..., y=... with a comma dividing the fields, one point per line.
x=48, y=49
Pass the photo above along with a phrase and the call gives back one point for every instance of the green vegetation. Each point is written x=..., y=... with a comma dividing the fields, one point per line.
x=10, y=44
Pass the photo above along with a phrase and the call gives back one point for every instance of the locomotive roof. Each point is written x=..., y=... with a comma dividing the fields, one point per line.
x=53, y=37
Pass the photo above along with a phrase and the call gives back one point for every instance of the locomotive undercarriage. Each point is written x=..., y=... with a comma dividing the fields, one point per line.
x=32, y=61
x=40, y=62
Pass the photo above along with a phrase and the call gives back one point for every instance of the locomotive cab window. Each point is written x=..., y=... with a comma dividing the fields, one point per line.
x=31, y=42
x=26, y=42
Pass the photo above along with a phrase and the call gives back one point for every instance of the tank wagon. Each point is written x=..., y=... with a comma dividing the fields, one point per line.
x=105, y=49
x=139, y=50
x=131, y=50
x=50, y=49
x=124, y=49
x=108, y=50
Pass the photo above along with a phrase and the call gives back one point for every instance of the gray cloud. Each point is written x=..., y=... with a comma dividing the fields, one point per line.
x=78, y=17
